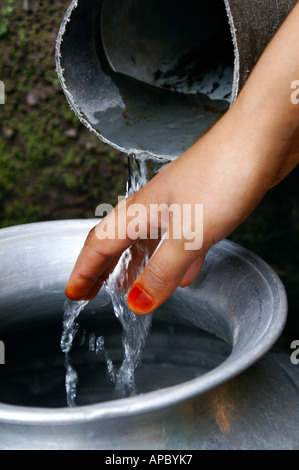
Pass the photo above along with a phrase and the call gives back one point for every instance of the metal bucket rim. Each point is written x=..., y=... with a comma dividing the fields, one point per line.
x=165, y=397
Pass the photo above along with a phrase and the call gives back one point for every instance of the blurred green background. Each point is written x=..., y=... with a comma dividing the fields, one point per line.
x=52, y=167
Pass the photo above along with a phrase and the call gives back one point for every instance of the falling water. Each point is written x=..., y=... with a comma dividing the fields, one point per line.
x=69, y=330
x=142, y=167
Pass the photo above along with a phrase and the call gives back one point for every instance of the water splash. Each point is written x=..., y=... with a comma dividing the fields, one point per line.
x=69, y=330
x=142, y=167
x=135, y=327
x=100, y=348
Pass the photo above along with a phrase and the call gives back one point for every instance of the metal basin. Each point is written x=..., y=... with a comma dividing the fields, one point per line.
x=197, y=389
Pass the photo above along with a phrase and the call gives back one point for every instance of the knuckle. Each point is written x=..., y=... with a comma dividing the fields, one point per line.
x=82, y=276
x=156, y=276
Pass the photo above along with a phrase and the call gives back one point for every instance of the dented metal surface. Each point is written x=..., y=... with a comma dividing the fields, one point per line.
x=155, y=76
x=239, y=403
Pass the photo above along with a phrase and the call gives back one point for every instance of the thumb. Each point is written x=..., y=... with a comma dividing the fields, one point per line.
x=161, y=276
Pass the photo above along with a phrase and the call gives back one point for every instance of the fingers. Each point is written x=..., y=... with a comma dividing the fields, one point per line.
x=125, y=281
x=171, y=265
x=101, y=252
x=192, y=272
x=101, y=279
x=164, y=272
x=140, y=252
x=96, y=260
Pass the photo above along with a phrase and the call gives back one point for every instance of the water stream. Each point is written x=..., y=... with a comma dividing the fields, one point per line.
x=135, y=328
x=69, y=330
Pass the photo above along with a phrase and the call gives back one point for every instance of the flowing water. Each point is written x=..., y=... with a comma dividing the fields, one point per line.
x=70, y=328
x=135, y=328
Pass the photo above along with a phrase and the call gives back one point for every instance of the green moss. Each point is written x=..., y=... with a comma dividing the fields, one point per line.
x=23, y=212
x=6, y=11
x=44, y=174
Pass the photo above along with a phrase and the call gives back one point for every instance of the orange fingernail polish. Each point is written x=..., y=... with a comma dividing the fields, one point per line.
x=138, y=300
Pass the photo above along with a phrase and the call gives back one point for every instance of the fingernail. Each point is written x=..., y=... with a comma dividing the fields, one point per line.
x=138, y=300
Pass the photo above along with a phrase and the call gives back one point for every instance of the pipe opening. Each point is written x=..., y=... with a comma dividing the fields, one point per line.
x=183, y=46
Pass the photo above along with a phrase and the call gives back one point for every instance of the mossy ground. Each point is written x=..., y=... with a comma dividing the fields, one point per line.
x=52, y=167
